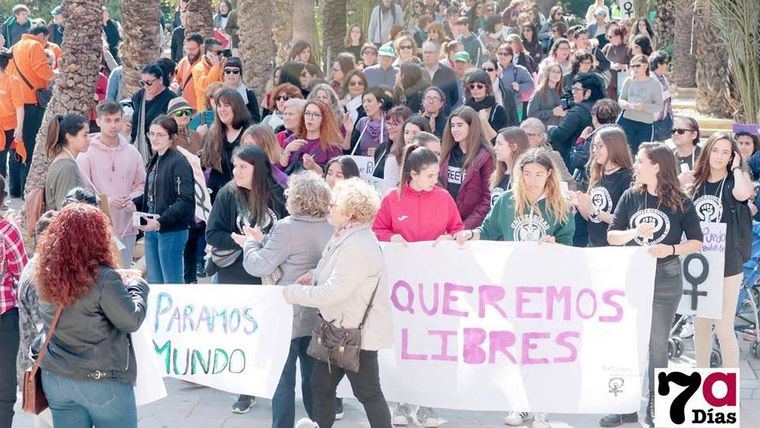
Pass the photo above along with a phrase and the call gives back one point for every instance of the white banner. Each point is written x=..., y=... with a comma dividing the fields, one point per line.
x=381, y=186
x=366, y=164
x=703, y=275
x=518, y=326
x=491, y=327
x=230, y=337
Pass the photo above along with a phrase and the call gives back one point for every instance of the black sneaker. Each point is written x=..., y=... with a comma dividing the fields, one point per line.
x=615, y=420
x=243, y=404
x=339, y=409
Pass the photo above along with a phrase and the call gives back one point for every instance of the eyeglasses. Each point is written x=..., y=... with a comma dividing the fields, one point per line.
x=217, y=53
x=282, y=98
x=231, y=71
x=681, y=131
x=369, y=52
x=393, y=123
x=503, y=53
x=637, y=65
x=406, y=47
x=185, y=112
x=574, y=89
x=355, y=83
x=489, y=69
x=531, y=134
x=148, y=82
x=476, y=85
x=432, y=99
x=312, y=115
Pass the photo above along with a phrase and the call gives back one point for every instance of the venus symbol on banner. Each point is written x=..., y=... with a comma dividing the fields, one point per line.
x=626, y=8
x=703, y=275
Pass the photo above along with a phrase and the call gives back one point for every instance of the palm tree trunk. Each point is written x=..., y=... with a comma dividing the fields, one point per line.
x=664, y=24
x=714, y=95
x=305, y=25
x=282, y=30
x=257, y=46
x=140, y=25
x=200, y=18
x=75, y=85
x=684, y=63
x=334, y=21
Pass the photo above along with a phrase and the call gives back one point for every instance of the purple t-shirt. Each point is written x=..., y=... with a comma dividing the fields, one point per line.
x=313, y=148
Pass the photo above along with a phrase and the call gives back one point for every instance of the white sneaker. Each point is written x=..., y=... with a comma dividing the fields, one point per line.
x=687, y=330
x=401, y=414
x=427, y=418
x=516, y=418
x=306, y=423
x=540, y=421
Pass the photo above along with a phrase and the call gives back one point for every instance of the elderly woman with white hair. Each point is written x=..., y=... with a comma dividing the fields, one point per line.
x=293, y=247
x=348, y=286
x=536, y=132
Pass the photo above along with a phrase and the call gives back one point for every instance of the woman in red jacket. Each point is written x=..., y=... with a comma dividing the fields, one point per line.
x=468, y=162
x=418, y=210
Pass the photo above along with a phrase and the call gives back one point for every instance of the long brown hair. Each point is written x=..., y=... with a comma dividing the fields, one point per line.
x=398, y=146
x=475, y=140
x=555, y=201
x=702, y=168
x=517, y=138
x=669, y=189
x=614, y=139
x=329, y=134
x=58, y=128
x=211, y=155
x=71, y=251
x=415, y=158
x=264, y=137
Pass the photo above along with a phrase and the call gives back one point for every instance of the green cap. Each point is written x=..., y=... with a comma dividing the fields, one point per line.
x=386, y=50
x=461, y=57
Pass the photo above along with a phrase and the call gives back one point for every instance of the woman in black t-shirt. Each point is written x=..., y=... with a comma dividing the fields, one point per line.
x=721, y=190
x=656, y=212
x=610, y=169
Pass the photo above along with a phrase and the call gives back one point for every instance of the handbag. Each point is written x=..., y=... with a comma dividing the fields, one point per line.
x=33, y=398
x=337, y=345
x=35, y=207
x=44, y=95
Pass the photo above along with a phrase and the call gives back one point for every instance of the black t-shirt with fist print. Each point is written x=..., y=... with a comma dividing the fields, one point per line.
x=635, y=208
x=605, y=196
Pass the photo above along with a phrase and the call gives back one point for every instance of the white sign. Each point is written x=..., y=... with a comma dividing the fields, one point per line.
x=366, y=164
x=234, y=338
x=627, y=10
x=518, y=326
x=381, y=186
x=703, y=275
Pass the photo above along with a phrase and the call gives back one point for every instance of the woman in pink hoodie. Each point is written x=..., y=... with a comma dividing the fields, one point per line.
x=419, y=210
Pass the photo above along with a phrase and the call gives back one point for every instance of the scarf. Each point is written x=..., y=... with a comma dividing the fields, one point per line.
x=487, y=102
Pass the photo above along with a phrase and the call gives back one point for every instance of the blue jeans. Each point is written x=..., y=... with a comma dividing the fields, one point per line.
x=636, y=132
x=84, y=403
x=9, y=337
x=163, y=256
x=284, y=399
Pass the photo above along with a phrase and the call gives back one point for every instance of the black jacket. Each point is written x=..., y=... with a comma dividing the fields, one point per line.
x=414, y=95
x=92, y=335
x=174, y=191
x=445, y=79
x=12, y=31
x=178, y=44
x=253, y=106
x=113, y=38
x=562, y=137
x=153, y=108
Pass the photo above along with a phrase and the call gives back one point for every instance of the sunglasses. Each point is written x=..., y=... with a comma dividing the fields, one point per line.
x=637, y=65
x=282, y=98
x=680, y=131
x=148, y=82
x=180, y=113
x=406, y=47
x=369, y=52
x=476, y=85
x=489, y=69
x=356, y=83
x=503, y=53
x=231, y=71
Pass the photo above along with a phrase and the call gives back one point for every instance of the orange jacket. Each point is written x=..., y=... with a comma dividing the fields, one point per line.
x=11, y=98
x=184, y=79
x=203, y=75
x=29, y=54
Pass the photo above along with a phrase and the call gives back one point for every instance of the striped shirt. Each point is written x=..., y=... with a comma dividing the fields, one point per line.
x=12, y=261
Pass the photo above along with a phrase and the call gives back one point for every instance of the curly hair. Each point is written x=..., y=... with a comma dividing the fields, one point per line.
x=70, y=253
x=356, y=199
x=307, y=194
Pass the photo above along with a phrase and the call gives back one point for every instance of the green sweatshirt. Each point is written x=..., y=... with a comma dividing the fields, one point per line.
x=502, y=224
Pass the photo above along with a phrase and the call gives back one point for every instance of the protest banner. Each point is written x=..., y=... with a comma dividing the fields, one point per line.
x=230, y=337
x=518, y=326
x=366, y=164
x=380, y=185
x=703, y=275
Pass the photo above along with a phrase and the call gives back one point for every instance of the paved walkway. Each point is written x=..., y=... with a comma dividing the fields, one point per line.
x=188, y=407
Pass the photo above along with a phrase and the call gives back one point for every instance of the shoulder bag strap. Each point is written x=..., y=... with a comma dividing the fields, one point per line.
x=371, y=302
x=22, y=74
x=48, y=336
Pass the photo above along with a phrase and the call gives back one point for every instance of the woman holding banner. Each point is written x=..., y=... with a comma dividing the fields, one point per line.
x=610, y=170
x=721, y=190
x=293, y=247
x=418, y=210
x=348, y=284
x=655, y=212
x=251, y=199
x=88, y=378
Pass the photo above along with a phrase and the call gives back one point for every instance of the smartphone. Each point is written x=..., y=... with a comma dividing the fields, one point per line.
x=141, y=219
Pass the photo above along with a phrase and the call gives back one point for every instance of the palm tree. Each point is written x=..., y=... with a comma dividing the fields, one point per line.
x=714, y=94
x=200, y=18
x=282, y=29
x=305, y=24
x=334, y=24
x=75, y=85
x=664, y=24
x=256, y=43
x=684, y=63
x=140, y=21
